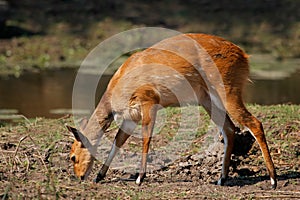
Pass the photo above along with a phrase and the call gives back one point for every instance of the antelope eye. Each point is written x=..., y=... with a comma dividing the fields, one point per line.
x=73, y=158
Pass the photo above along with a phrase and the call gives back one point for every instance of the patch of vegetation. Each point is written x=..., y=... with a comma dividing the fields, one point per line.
x=34, y=162
x=48, y=35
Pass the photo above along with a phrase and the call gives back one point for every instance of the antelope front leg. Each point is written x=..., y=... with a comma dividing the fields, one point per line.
x=149, y=115
x=121, y=137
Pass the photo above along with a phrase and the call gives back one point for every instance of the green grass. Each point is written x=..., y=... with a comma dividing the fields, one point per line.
x=285, y=120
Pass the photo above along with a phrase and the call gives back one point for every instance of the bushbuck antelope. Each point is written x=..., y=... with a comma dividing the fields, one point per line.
x=188, y=68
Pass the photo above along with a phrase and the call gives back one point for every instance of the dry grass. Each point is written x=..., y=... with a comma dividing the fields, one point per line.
x=34, y=164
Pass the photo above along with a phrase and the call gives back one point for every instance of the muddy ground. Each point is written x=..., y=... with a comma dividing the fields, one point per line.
x=34, y=163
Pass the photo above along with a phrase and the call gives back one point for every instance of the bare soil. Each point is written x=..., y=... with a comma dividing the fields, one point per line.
x=34, y=163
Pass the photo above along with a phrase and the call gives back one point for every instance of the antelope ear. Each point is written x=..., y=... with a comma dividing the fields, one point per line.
x=77, y=134
x=80, y=137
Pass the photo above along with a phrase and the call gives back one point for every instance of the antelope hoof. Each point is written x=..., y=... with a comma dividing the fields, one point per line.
x=221, y=181
x=98, y=178
x=140, y=179
x=273, y=183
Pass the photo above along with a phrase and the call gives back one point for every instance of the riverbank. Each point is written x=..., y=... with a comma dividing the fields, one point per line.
x=34, y=162
x=47, y=35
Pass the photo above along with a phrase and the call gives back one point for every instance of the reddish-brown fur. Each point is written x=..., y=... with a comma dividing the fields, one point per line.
x=203, y=69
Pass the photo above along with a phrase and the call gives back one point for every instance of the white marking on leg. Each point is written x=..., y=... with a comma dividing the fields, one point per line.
x=272, y=181
x=224, y=157
x=219, y=181
x=138, y=180
x=112, y=154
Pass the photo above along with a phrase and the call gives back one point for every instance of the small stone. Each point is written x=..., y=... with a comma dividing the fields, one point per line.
x=184, y=164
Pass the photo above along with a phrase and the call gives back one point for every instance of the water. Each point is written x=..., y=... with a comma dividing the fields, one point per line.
x=49, y=93
x=278, y=91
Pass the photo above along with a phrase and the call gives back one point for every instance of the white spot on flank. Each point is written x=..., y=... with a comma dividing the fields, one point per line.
x=156, y=77
x=178, y=76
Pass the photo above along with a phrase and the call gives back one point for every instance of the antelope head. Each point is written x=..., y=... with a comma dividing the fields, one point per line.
x=80, y=155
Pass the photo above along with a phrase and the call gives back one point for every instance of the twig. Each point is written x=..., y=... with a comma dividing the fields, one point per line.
x=65, y=117
x=70, y=188
x=7, y=151
x=276, y=196
x=39, y=154
x=277, y=191
x=28, y=163
x=18, y=146
x=26, y=119
x=5, y=195
x=16, y=160
x=3, y=155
